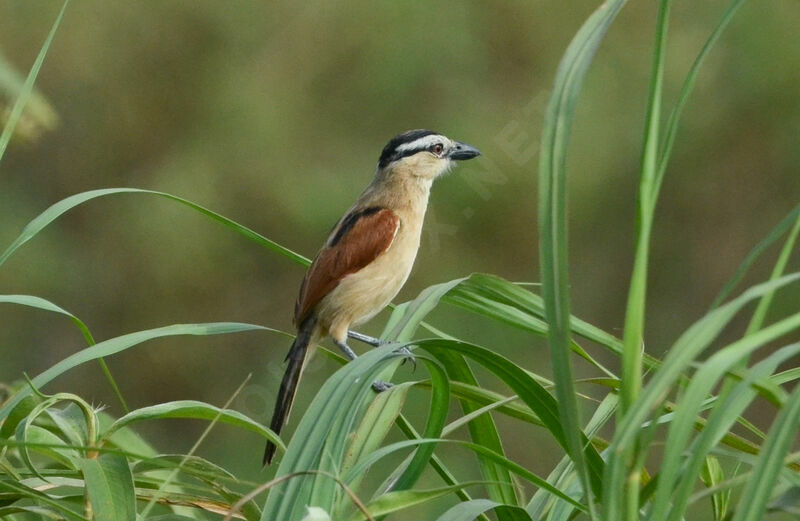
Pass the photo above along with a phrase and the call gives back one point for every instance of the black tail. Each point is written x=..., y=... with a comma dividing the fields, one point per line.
x=296, y=357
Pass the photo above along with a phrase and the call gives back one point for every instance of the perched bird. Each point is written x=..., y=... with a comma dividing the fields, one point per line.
x=368, y=255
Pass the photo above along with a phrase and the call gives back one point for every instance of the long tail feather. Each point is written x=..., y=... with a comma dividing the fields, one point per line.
x=283, y=405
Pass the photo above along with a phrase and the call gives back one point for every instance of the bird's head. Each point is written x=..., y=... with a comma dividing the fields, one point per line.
x=423, y=153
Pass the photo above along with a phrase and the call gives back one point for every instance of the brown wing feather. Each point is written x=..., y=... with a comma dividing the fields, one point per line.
x=356, y=242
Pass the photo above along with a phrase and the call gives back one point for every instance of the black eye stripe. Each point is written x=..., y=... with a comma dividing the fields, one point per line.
x=404, y=153
x=410, y=152
x=390, y=152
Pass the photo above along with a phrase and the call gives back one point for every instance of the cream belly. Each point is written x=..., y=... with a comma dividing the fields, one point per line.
x=363, y=294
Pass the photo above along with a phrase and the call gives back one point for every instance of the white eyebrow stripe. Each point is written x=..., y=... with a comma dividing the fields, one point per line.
x=421, y=143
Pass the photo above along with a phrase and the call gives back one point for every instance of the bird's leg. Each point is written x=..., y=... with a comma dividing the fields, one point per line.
x=349, y=353
x=378, y=385
x=377, y=342
x=369, y=340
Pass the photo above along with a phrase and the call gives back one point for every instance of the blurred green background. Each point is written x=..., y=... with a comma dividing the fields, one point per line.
x=274, y=114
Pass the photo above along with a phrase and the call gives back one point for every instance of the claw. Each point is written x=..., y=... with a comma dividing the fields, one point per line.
x=409, y=357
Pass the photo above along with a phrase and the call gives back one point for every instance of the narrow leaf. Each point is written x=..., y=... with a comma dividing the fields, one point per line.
x=395, y=501
x=690, y=345
x=756, y=494
x=61, y=207
x=552, y=223
x=122, y=343
x=776, y=233
x=27, y=88
x=470, y=510
x=109, y=484
x=192, y=409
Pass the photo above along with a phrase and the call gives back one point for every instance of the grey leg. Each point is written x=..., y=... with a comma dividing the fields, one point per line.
x=378, y=385
x=370, y=340
x=349, y=353
x=377, y=342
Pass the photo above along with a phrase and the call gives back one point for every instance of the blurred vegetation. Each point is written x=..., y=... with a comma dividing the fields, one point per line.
x=274, y=115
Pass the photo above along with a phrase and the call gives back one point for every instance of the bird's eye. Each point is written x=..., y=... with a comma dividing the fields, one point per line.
x=437, y=149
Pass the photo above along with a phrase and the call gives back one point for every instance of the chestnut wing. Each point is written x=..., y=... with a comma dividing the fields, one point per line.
x=358, y=240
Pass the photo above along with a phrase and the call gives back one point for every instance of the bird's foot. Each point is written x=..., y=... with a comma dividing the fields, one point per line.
x=408, y=357
x=380, y=386
x=377, y=342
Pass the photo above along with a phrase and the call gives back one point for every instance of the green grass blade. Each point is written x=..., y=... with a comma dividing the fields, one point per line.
x=17, y=414
x=71, y=422
x=633, y=338
x=416, y=310
x=508, y=303
x=786, y=376
x=690, y=345
x=122, y=343
x=437, y=418
x=193, y=466
x=46, y=305
x=109, y=484
x=40, y=440
x=484, y=397
x=453, y=426
x=719, y=423
x=27, y=88
x=760, y=314
x=43, y=513
x=788, y=502
x=482, y=431
x=524, y=473
x=194, y=410
x=398, y=312
x=27, y=492
x=526, y=387
x=753, y=501
x=497, y=458
x=400, y=500
x=702, y=383
x=633, y=334
x=323, y=434
x=496, y=298
x=470, y=510
x=61, y=207
x=165, y=486
x=776, y=233
x=375, y=425
x=712, y=475
x=436, y=463
x=553, y=220
x=688, y=84
x=125, y=439
x=560, y=474
x=171, y=517
x=408, y=430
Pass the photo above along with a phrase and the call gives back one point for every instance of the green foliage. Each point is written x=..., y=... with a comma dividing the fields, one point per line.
x=62, y=458
x=25, y=91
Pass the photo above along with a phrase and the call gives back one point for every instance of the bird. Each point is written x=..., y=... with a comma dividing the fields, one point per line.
x=367, y=256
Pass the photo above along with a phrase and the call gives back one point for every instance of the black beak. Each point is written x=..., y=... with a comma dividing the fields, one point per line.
x=463, y=151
